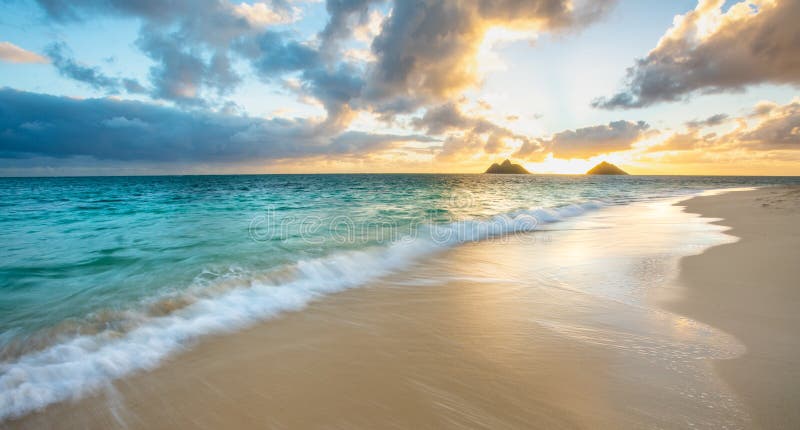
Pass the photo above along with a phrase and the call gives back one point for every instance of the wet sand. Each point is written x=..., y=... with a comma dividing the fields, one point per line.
x=559, y=329
x=751, y=289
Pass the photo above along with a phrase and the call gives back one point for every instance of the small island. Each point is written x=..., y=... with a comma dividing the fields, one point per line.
x=605, y=168
x=507, y=168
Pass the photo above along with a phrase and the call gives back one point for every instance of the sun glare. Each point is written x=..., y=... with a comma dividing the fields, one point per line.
x=560, y=166
x=488, y=60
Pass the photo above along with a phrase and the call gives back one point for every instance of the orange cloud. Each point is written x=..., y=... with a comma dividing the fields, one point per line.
x=428, y=51
x=14, y=54
x=774, y=127
x=469, y=135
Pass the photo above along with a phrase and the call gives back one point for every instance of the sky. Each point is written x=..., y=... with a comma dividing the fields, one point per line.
x=132, y=87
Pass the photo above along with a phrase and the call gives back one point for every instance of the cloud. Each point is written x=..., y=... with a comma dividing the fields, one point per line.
x=271, y=54
x=468, y=134
x=770, y=127
x=91, y=76
x=265, y=14
x=778, y=129
x=425, y=53
x=340, y=13
x=335, y=88
x=427, y=50
x=195, y=16
x=709, y=51
x=691, y=139
x=123, y=122
x=107, y=130
x=764, y=108
x=14, y=54
x=189, y=40
x=335, y=85
x=360, y=144
x=444, y=118
x=600, y=139
x=711, y=121
x=180, y=75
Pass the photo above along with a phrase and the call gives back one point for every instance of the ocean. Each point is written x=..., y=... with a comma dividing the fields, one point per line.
x=104, y=276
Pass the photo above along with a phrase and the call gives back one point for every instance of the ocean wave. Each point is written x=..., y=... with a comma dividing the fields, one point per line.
x=80, y=365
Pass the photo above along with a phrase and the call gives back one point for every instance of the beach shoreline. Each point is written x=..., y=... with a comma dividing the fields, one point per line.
x=487, y=349
x=750, y=289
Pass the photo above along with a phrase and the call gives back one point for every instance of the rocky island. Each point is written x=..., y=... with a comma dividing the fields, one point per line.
x=605, y=168
x=507, y=167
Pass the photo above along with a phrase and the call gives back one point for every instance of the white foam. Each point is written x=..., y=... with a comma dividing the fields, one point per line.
x=86, y=363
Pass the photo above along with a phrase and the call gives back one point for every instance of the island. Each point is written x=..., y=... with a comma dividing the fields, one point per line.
x=606, y=168
x=506, y=168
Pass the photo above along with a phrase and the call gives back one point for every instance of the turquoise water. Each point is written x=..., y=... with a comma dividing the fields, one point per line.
x=103, y=276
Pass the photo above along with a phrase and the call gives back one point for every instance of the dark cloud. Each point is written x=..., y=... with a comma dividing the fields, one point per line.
x=750, y=43
x=220, y=74
x=600, y=139
x=444, y=118
x=197, y=18
x=36, y=125
x=75, y=10
x=92, y=76
x=192, y=44
x=711, y=121
x=181, y=75
x=210, y=23
x=467, y=134
x=335, y=85
x=335, y=88
x=133, y=86
x=340, y=13
x=188, y=40
x=271, y=54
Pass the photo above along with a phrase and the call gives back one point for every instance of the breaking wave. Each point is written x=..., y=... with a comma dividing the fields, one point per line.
x=77, y=365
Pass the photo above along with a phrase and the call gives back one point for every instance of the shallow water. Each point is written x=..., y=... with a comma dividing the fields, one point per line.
x=104, y=276
x=600, y=280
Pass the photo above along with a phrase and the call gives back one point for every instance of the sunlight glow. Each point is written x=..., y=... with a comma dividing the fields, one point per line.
x=488, y=59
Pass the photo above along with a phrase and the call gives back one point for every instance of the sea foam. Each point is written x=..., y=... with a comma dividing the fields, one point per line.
x=83, y=364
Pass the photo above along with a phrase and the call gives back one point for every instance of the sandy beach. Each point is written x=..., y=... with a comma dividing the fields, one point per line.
x=493, y=340
x=751, y=289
